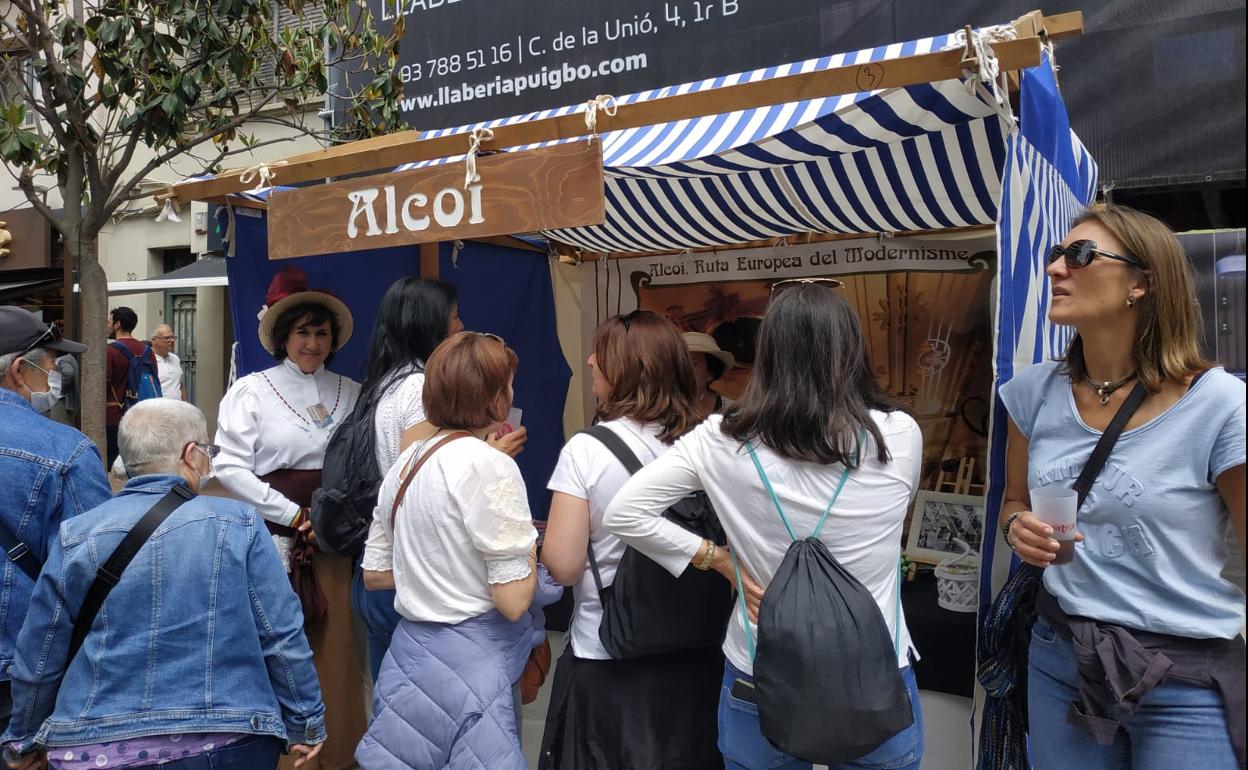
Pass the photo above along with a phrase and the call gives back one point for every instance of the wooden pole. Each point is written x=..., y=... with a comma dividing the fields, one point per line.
x=387, y=152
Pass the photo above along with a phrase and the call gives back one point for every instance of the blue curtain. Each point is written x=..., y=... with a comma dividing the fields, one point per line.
x=501, y=290
x=508, y=292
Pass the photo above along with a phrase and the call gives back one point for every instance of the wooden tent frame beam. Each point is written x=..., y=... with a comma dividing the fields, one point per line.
x=392, y=150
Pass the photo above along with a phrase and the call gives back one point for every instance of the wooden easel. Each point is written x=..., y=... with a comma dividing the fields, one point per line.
x=961, y=481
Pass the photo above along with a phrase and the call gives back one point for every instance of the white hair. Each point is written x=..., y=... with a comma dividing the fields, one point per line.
x=153, y=433
x=34, y=356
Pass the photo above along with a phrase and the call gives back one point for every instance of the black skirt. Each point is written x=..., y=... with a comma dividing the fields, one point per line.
x=654, y=713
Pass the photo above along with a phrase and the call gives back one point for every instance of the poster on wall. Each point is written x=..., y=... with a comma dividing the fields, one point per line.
x=923, y=304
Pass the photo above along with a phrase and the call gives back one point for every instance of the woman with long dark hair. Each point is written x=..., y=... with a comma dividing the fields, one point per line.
x=651, y=712
x=815, y=417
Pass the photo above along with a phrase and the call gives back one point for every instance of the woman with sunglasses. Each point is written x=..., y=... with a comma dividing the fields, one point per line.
x=651, y=712
x=453, y=537
x=811, y=410
x=1165, y=683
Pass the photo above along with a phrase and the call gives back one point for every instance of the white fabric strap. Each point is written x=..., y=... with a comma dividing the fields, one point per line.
x=263, y=172
x=479, y=136
x=168, y=212
x=604, y=102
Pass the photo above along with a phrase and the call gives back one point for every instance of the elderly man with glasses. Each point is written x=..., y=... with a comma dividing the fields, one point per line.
x=163, y=630
x=168, y=365
x=48, y=471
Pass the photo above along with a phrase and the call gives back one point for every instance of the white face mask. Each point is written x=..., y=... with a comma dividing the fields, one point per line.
x=204, y=478
x=43, y=401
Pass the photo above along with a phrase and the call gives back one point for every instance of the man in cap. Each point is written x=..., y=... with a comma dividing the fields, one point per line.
x=48, y=471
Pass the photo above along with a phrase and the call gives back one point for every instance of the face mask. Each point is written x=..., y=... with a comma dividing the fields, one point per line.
x=204, y=478
x=43, y=401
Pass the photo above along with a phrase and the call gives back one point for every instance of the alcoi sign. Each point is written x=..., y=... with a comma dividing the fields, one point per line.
x=518, y=192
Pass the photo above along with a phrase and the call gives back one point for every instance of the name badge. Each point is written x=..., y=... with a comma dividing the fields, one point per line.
x=320, y=416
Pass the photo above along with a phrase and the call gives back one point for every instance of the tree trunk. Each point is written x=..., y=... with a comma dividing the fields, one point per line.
x=93, y=292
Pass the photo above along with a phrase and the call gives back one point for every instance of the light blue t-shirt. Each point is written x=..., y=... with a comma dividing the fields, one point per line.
x=1154, y=525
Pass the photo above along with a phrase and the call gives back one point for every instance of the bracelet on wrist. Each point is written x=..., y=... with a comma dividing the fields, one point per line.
x=1005, y=527
x=708, y=557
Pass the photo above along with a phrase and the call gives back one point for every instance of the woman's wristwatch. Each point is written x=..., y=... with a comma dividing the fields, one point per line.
x=1005, y=527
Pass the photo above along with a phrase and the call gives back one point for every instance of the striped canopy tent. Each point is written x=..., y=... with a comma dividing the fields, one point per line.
x=935, y=156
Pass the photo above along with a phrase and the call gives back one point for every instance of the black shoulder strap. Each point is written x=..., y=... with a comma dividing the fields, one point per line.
x=19, y=553
x=610, y=440
x=628, y=459
x=1092, y=469
x=110, y=572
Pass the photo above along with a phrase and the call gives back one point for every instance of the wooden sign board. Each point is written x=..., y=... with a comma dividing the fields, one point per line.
x=518, y=192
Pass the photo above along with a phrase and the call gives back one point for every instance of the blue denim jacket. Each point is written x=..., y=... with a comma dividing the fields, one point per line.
x=48, y=472
x=202, y=634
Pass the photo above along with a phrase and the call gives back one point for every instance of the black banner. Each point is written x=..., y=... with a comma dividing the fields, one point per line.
x=1148, y=85
x=464, y=61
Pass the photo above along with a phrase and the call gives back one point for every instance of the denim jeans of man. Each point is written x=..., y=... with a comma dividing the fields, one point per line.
x=376, y=609
x=742, y=743
x=1176, y=725
x=259, y=752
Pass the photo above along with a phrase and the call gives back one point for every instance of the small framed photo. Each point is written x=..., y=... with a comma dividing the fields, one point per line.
x=938, y=518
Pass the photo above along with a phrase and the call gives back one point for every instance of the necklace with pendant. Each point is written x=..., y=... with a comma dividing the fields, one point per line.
x=1106, y=389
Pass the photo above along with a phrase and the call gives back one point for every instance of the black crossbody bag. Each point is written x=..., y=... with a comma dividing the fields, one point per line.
x=646, y=611
x=111, y=570
x=1005, y=632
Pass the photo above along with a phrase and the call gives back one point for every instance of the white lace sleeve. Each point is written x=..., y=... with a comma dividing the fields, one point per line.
x=495, y=507
x=507, y=570
x=379, y=547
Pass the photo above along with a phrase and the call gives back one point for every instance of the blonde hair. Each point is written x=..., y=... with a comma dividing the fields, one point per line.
x=1168, y=328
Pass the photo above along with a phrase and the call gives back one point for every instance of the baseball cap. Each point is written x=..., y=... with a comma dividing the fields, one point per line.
x=21, y=330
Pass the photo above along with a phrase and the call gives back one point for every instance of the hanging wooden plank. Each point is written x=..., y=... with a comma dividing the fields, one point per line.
x=518, y=192
x=406, y=147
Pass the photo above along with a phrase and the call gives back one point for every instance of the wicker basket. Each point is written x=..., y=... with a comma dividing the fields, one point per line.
x=957, y=580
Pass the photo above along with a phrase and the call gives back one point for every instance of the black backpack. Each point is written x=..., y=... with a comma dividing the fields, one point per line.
x=829, y=689
x=342, y=508
x=646, y=611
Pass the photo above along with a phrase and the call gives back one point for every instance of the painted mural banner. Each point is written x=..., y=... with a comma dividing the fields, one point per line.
x=923, y=304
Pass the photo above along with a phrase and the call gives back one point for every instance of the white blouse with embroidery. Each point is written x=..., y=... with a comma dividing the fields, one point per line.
x=400, y=407
x=264, y=425
x=463, y=524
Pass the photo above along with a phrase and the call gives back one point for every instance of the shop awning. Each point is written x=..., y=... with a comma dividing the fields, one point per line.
x=921, y=157
x=205, y=271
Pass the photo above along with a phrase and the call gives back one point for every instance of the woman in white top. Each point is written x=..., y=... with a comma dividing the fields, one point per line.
x=453, y=536
x=811, y=392
x=651, y=712
x=273, y=427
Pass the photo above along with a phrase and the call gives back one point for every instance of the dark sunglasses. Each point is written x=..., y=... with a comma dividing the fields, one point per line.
x=1081, y=253
x=52, y=334
x=789, y=283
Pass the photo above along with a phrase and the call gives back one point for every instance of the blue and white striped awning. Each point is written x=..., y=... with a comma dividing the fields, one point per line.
x=921, y=157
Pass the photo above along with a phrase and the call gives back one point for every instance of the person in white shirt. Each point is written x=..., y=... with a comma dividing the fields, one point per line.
x=655, y=711
x=452, y=535
x=273, y=427
x=811, y=395
x=168, y=365
x=414, y=316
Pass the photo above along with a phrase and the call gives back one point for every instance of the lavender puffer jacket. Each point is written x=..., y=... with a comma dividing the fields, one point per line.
x=444, y=697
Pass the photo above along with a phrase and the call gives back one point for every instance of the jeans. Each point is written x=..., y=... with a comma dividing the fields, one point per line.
x=1176, y=725
x=744, y=748
x=259, y=752
x=376, y=609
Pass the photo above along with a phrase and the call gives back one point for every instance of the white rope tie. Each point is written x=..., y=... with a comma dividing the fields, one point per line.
x=604, y=102
x=478, y=137
x=262, y=172
x=986, y=79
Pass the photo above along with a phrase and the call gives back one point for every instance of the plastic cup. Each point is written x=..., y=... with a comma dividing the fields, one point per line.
x=1057, y=506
